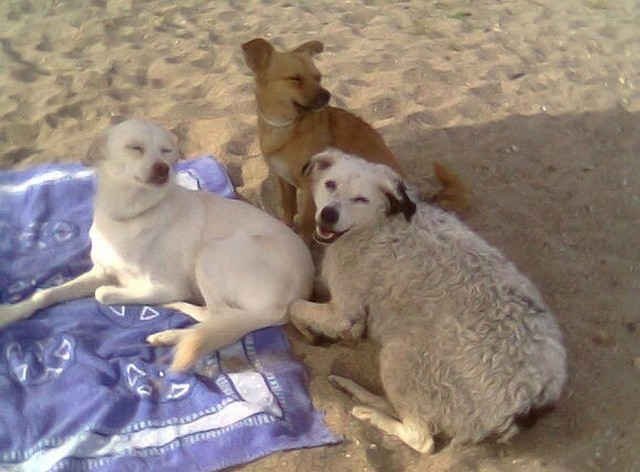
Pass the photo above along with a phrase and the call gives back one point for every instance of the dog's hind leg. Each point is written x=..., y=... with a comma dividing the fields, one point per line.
x=307, y=218
x=225, y=326
x=197, y=312
x=141, y=293
x=362, y=394
x=414, y=435
x=82, y=286
x=288, y=196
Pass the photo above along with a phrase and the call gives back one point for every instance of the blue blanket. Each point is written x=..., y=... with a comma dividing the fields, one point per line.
x=79, y=387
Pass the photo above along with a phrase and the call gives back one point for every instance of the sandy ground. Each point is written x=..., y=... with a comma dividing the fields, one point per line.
x=534, y=103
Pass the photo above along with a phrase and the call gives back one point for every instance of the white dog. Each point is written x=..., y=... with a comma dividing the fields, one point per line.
x=224, y=262
x=468, y=346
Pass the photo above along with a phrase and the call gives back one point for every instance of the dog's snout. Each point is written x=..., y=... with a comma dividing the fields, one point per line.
x=161, y=169
x=321, y=99
x=329, y=215
x=159, y=173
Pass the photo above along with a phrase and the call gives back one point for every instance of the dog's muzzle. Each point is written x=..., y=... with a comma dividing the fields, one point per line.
x=325, y=233
x=159, y=173
x=319, y=101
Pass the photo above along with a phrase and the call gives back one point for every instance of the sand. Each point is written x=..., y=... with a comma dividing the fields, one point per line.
x=534, y=103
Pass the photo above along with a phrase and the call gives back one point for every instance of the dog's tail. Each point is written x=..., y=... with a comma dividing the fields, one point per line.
x=453, y=195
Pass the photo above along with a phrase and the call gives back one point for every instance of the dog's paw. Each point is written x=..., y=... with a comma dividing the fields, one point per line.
x=363, y=413
x=190, y=344
x=108, y=295
x=169, y=337
x=189, y=349
x=314, y=337
x=353, y=332
x=303, y=325
x=343, y=384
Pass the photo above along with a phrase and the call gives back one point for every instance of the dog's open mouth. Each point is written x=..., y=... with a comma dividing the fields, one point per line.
x=156, y=179
x=326, y=236
x=160, y=173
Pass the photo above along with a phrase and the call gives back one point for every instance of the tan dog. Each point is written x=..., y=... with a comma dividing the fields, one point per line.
x=294, y=123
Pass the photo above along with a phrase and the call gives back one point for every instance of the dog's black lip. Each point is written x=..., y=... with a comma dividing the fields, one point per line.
x=303, y=108
x=158, y=180
x=334, y=236
x=300, y=107
x=152, y=181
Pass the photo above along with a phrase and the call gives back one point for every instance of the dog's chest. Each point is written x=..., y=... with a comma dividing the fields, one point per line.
x=119, y=254
x=282, y=169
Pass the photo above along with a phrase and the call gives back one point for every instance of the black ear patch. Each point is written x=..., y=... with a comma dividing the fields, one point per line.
x=403, y=204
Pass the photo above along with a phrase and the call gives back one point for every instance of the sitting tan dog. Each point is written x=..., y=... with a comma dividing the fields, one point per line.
x=468, y=346
x=294, y=123
x=225, y=263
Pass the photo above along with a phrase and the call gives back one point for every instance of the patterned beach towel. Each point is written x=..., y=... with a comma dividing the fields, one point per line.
x=79, y=387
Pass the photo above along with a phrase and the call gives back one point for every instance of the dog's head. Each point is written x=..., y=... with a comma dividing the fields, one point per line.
x=136, y=150
x=352, y=193
x=287, y=83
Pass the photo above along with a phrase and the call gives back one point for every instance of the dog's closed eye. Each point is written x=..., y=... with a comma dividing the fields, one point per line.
x=295, y=78
x=166, y=150
x=330, y=185
x=136, y=147
x=360, y=200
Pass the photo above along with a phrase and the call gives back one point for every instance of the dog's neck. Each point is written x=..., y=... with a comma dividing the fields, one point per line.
x=119, y=199
x=275, y=122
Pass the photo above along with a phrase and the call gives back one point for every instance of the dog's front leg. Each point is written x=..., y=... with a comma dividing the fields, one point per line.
x=325, y=320
x=289, y=201
x=307, y=215
x=82, y=286
x=140, y=293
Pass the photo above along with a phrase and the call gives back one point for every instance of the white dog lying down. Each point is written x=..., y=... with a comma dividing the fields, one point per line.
x=155, y=242
x=468, y=346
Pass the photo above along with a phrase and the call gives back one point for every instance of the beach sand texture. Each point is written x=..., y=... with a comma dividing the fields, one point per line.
x=535, y=103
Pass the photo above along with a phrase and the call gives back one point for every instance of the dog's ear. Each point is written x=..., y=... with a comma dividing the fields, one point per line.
x=257, y=54
x=310, y=47
x=320, y=161
x=97, y=150
x=396, y=192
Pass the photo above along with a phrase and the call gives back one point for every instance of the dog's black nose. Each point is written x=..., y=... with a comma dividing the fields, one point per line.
x=329, y=215
x=161, y=169
x=159, y=173
x=321, y=99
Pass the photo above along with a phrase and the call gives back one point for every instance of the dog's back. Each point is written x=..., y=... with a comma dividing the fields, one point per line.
x=468, y=344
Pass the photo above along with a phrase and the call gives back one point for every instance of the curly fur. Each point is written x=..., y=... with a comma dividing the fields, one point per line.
x=467, y=343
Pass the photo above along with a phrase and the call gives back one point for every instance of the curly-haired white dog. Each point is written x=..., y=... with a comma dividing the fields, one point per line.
x=468, y=346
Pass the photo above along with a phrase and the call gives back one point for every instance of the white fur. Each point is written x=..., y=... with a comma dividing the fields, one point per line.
x=161, y=244
x=468, y=346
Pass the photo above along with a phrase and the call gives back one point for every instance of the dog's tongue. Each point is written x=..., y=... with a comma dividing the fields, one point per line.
x=325, y=234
